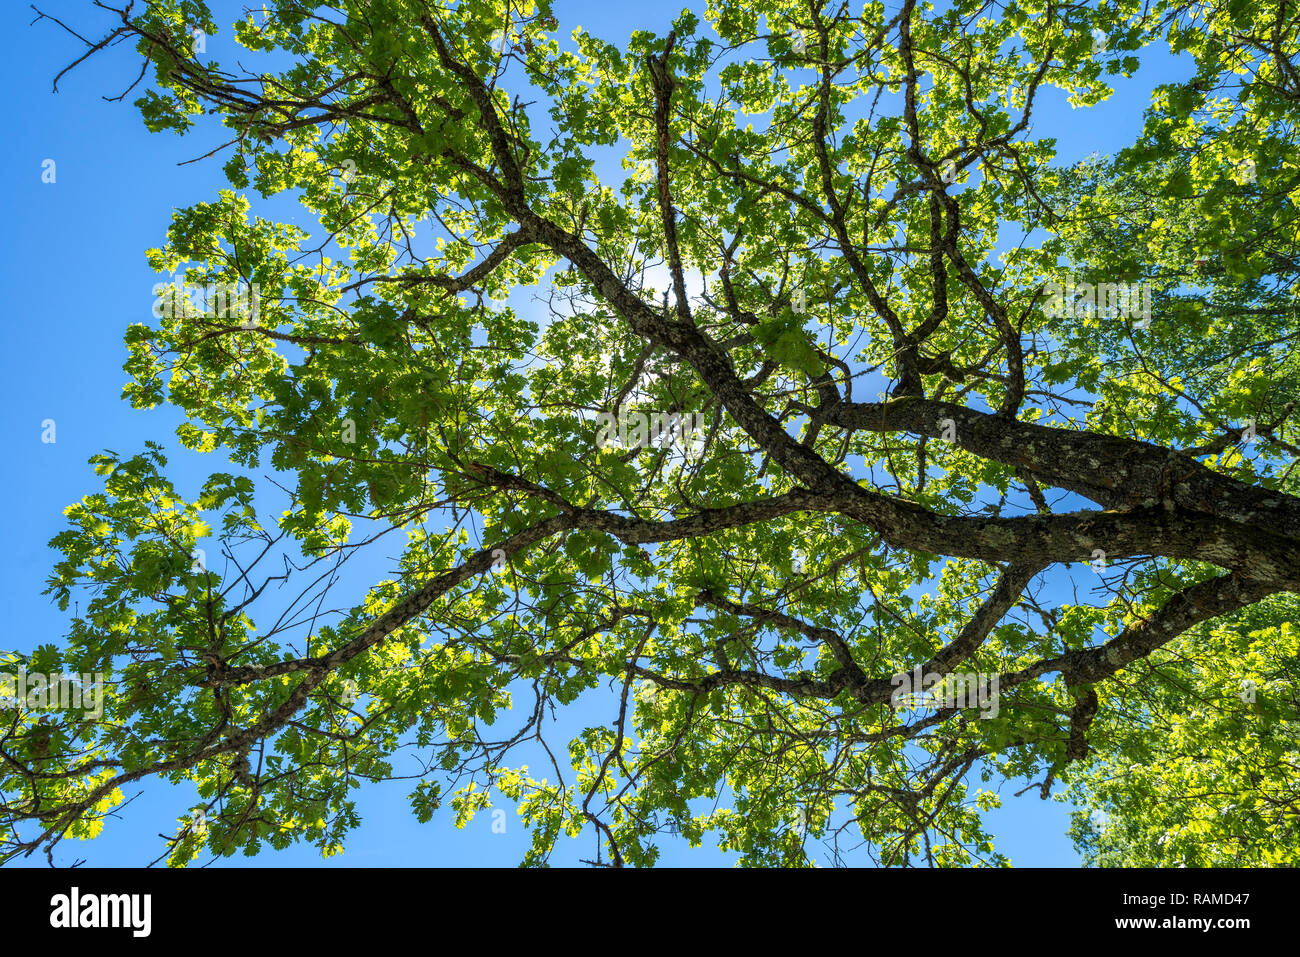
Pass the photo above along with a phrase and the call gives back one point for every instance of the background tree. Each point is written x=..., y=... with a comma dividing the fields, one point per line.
x=903, y=450
x=1198, y=767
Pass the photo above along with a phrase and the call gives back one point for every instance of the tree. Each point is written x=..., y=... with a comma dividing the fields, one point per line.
x=793, y=445
x=1199, y=770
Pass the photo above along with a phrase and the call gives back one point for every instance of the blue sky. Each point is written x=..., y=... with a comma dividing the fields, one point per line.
x=75, y=276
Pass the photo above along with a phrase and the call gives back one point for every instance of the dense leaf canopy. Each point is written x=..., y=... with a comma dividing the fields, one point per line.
x=827, y=241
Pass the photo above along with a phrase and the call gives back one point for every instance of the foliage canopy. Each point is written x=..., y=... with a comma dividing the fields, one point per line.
x=830, y=234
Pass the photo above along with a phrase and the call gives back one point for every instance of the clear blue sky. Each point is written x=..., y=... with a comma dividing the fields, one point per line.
x=75, y=276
